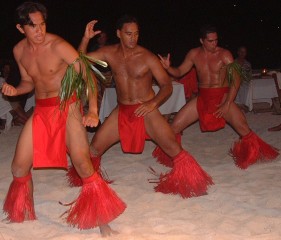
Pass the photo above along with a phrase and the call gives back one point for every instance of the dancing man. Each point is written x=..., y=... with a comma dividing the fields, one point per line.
x=219, y=81
x=51, y=66
x=137, y=118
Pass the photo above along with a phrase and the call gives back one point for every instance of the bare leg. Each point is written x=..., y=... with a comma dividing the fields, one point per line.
x=186, y=116
x=106, y=135
x=186, y=178
x=22, y=162
x=164, y=135
x=20, y=207
x=236, y=118
x=77, y=142
x=78, y=146
x=250, y=148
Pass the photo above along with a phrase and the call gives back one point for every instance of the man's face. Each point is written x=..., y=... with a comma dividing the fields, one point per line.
x=129, y=35
x=35, y=32
x=210, y=43
x=242, y=52
x=102, y=38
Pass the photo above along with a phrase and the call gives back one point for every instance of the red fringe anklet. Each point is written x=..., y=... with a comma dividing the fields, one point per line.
x=74, y=179
x=96, y=205
x=19, y=204
x=186, y=178
x=251, y=149
x=162, y=157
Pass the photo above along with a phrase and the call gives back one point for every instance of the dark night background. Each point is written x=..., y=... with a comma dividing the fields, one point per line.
x=166, y=26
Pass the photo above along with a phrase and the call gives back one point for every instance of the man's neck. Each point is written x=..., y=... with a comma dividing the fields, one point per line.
x=127, y=52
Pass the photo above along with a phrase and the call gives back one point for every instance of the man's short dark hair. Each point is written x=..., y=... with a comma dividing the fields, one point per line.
x=125, y=19
x=240, y=47
x=23, y=11
x=206, y=29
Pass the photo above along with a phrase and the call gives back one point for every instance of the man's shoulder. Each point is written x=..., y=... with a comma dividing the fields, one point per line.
x=146, y=55
x=21, y=43
x=225, y=55
x=58, y=44
x=108, y=48
x=19, y=47
x=195, y=51
x=144, y=51
x=54, y=39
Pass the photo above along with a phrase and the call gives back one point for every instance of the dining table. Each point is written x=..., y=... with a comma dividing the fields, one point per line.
x=258, y=89
x=175, y=102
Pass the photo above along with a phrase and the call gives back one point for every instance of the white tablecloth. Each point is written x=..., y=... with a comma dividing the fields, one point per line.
x=258, y=90
x=173, y=104
x=5, y=108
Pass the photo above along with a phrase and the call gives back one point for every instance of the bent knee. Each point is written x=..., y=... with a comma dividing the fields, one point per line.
x=95, y=150
x=172, y=149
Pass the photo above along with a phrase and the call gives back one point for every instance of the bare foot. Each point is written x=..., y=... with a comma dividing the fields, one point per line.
x=276, y=128
x=106, y=231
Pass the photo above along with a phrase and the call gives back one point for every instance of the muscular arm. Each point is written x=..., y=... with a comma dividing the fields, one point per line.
x=98, y=54
x=163, y=80
x=69, y=56
x=26, y=84
x=184, y=68
x=93, y=105
x=88, y=35
x=84, y=44
x=233, y=89
x=165, y=85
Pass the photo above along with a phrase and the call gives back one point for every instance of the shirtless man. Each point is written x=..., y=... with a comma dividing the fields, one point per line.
x=215, y=103
x=137, y=117
x=43, y=60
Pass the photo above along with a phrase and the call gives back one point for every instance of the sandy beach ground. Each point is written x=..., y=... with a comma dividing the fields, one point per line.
x=243, y=204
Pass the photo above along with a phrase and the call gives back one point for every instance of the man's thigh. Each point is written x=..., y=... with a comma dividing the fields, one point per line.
x=23, y=159
x=107, y=134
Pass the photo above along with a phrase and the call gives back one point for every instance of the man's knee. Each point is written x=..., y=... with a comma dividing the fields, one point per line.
x=172, y=148
x=95, y=151
x=176, y=128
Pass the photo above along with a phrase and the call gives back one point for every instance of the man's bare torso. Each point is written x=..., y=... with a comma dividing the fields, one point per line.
x=210, y=67
x=131, y=73
x=43, y=65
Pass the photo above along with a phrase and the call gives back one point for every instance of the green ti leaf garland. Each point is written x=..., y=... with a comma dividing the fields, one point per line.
x=74, y=82
x=232, y=70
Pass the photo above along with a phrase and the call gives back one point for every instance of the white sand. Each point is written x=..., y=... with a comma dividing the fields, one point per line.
x=243, y=204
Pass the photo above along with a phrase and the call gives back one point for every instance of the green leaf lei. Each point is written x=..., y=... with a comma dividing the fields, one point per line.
x=74, y=82
x=231, y=70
